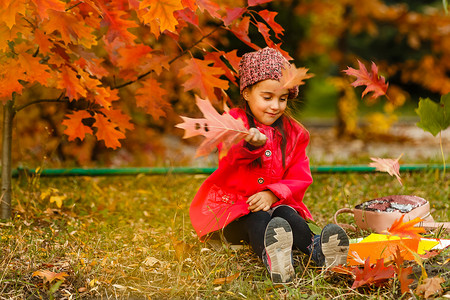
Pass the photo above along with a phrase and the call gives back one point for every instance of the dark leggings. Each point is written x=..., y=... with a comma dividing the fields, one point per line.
x=251, y=229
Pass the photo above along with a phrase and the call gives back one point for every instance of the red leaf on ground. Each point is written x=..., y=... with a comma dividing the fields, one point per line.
x=373, y=82
x=372, y=275
x=215, y=127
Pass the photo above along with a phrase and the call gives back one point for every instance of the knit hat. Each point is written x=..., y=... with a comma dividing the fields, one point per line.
x=260, y=65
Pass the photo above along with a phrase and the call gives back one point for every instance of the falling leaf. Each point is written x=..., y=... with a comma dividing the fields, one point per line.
x=49, y=276
x=226, y=279
x=373, y=82
x=372, y=275
x=292, y=76
x=406, y=229
x=434, y=117
x=215, y=127
x=391, y=166
x=430, y=286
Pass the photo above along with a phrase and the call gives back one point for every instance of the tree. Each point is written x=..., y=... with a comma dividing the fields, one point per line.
x=92, y=55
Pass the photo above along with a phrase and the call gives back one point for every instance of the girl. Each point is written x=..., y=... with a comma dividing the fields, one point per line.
x=256, y=194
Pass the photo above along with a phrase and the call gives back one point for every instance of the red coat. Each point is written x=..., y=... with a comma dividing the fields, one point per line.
x=222, y=197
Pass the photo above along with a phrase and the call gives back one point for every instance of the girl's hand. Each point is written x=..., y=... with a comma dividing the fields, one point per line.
x=261, y=201
x=255, y=137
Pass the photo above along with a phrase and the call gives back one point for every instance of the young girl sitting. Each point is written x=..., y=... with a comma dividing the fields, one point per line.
x=256, y=194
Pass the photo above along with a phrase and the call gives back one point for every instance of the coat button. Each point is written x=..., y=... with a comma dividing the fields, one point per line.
x=268, y=153
x=260, y=180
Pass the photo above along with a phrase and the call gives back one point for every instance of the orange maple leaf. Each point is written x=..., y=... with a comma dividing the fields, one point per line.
x=132, y=56
x=9, y=81
x=211, y=7
x=269, y=17
x=42, y=7
x=115, y=20
x=70, y=82
x=9, y=11
x=122, y=120
x=391, y=166
x=241, y=32
x=162, y=11
x=292, y=76
x=215, y=127
x=203, y=77
x=218, y=62
x=372, y=275
x=75, y=127
x=151, y=97
x=107, y=131
x=34, y=70
x=49, y=276
x=42, y=39
x=406, y=229
x=373, y=82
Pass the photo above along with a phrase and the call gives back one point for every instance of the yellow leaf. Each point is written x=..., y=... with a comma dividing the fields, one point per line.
x=226, y=279
x=58, y=200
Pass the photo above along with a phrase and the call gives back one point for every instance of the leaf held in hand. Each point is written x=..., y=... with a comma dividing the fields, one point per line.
x=373, y=81
x=391, y=166
x=215, y=127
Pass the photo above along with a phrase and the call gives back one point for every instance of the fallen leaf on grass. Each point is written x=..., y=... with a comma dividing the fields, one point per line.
x=406, y=229
x=430, y=286
x=391, y=166
x=402, y=273
x=372, y=275
x=49, y=276
x=182, y=249
x=226, y=279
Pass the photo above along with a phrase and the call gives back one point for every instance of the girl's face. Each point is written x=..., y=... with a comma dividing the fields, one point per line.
x=267, y=100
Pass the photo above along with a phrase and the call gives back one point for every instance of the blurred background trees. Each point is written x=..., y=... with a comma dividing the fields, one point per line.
x=408, y=40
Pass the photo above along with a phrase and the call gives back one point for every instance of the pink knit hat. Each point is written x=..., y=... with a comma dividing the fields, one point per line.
x=260, y=65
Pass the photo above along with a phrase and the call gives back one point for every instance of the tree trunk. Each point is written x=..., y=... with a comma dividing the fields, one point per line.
x=8, y=116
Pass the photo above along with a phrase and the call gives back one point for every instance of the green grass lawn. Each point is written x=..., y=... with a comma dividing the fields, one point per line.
x=131, y=237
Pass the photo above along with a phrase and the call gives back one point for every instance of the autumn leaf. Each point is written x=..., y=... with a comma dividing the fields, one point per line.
x=49, y=276
x=226, y=280
x=58, y=200
x=430, y=286
x=43, y=6
x=122, y=120
x=372, y=275
x=373, y=82
x=269, y=17
x=434, y=117
x=215, y=127
x=240, y=30
x=151, y=97
x=9, y=11
x=233, y=14
x=182, y=249
x=203, y=77
x=402, y=272
x=211, y=7
x=406, y=229
x=292, y=76
x=75, y=127
x=162, y=11
x=70, y=82
x=117, y=25
x=107, y=132
x=391, y=166
x=257, y=2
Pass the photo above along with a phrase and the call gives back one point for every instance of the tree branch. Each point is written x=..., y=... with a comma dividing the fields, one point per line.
x=63, y=100
x=171, y=61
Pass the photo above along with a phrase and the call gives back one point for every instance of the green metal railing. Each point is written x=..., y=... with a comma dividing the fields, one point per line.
x=200, y=170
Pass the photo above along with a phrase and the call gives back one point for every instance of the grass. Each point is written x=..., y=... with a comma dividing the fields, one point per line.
x=130, y=237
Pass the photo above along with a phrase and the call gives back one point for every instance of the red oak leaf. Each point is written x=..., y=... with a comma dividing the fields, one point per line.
x=107, y=131
x=210, y=7
x=70, y=82
x=215, y=127
x=264, y=30
x=233, y=14
x=391, y=166
x=75, y=127
x=241, y=32
x=292, y=76
x=373, y=82
x=406, y=229
x=372, y=275
x=269, y=17
x=218, y=62
x=203, y=77
x=187, y=15
x=257, y=2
